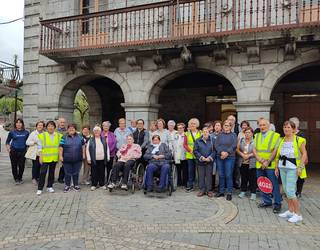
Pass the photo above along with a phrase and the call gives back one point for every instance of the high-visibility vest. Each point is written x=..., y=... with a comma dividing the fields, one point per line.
x=265, y=148
x=190, y=143
x=50, y=149
x=297, y=142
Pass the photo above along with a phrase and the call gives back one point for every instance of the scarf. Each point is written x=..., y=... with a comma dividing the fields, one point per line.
x=155, y=149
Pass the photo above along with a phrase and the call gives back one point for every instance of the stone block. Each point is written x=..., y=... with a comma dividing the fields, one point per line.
x=269, y=55
x=33, y=31
x=239, y=59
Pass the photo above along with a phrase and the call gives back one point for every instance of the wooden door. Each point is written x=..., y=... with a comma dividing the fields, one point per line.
x=190, y=19
x=308, y=112
x=213, y=111
x=93, y=30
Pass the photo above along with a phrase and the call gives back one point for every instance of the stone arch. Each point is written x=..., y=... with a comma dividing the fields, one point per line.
x=163, y=77
x=93, y=93
x=283, y=69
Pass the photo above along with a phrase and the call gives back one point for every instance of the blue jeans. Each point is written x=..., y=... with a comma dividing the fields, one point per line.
x=72, y=170
x=269, y=173
x=225, y=171
x=164, y=172
x=191, y=172
x=289, y=179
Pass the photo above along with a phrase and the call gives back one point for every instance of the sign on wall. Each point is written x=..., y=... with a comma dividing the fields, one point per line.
x=252, y=75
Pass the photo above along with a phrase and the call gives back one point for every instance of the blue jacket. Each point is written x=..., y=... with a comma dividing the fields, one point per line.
x=17, y=139
x=204, y=149
x=163, y=150
x=72, y=148
x=92, y=150
x=226, y=142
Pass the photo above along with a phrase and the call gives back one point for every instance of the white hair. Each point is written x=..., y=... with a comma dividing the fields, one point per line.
x=96, y=128
x=106, y=123
x=296, y=121
x=172, y=122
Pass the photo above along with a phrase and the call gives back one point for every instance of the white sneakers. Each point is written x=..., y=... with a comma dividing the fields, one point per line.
x=124, y=187
x=242, y=195
x=50, y=190
x=286, y=214
x=93, y=188
x=292, y=217
x=295, y=218
x=111, y=185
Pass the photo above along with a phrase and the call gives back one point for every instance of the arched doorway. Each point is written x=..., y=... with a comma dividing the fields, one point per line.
x=196, y=93
x=297, y=94
x=103, y=95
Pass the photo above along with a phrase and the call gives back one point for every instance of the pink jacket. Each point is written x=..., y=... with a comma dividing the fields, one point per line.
x=126, y=153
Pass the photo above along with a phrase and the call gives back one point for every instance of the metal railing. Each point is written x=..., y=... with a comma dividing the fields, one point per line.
x=174, y=20
x=9, y=73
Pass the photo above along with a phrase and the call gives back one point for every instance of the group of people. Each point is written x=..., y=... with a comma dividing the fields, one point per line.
x=218, y=149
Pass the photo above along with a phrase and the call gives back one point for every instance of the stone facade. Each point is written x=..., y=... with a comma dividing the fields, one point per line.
x=50, y=87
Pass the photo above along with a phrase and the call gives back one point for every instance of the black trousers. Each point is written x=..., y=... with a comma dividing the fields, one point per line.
x=108, y=168
x=43, y=172
x=182, y=170
x=300, y=183
x=236, y=174
x=248, y=176
x=98, y=173
x=61, y=174
x=36, y=169
x=17, y=164
x=125, y=167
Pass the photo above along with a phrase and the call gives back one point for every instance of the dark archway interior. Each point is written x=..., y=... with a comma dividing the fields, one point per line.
x=187, y=96
x=298, y=95
x=111, y=98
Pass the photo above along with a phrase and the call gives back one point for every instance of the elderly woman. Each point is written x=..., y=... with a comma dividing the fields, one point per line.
x=121, y=133
x=71, y=153
x=172, y=132
x=247, y=162
x=243, y=125
x=33, y=153
x=300, y=180
x=179, y=155
x=98, y=156
x=225, y=145
x=158, y=156
x=290, y=159
x=111, y=143
x=204, y=152
x=127, y=155
x=217, y=129
x=191, y=136
x=86, y=167
x=162, y=131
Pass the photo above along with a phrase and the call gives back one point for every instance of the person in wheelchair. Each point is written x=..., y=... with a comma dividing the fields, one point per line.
x=158, y=156
x=127, y=155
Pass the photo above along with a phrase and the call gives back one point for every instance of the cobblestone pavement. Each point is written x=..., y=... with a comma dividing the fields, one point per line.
x=100, y=220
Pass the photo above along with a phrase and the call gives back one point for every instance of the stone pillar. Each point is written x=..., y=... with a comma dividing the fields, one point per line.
x=147, y=112
x=252, y=111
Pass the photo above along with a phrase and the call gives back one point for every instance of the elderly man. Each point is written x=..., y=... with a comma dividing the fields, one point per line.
x=122, y=133
x=265, y=148
x=61, y=129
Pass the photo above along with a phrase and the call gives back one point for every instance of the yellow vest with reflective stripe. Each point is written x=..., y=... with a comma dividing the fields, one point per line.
x=50, y=149
x=297, y=142
x=190, y=143
x=265, y=148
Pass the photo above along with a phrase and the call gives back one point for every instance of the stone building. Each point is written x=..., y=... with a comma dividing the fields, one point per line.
x=174, y=59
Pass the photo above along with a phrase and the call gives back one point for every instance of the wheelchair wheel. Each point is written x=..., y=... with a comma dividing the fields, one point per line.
x=170, y=190
x=139, y=176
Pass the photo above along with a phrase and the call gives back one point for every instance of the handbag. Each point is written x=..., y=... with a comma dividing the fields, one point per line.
x=31, y=152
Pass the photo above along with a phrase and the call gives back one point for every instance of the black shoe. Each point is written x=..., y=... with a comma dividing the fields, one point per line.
x=298, y=195
x=21, y=181
x=219, y=195
x=189, y=189
x=17, y=182
x=229, y=197
x=263, y=205
x=149, y=190
x=60, y=181
x=276, y=210
x=160, y=190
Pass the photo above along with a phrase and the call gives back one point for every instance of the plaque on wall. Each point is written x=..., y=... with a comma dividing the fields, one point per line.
x=252, y=75
x=317, y=124
x=303, y=125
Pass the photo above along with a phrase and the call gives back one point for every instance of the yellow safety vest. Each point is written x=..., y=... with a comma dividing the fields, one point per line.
x=50, y=150
x=190, y=143
x=297, y=142
x=265, y=148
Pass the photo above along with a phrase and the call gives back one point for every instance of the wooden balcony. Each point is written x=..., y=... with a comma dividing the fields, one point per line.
x=173, y=22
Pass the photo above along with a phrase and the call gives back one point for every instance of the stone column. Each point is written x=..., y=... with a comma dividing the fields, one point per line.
x=147, y=112
x=252, y=111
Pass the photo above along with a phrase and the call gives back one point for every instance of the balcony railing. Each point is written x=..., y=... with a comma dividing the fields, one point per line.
x=170, y=21
x=9, y=74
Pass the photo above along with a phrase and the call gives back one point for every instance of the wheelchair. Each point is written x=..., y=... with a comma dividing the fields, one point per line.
x=171, y=182
x=135, y=178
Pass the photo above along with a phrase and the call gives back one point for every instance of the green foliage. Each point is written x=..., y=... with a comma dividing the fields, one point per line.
x=7, y=105
x=81, y=109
